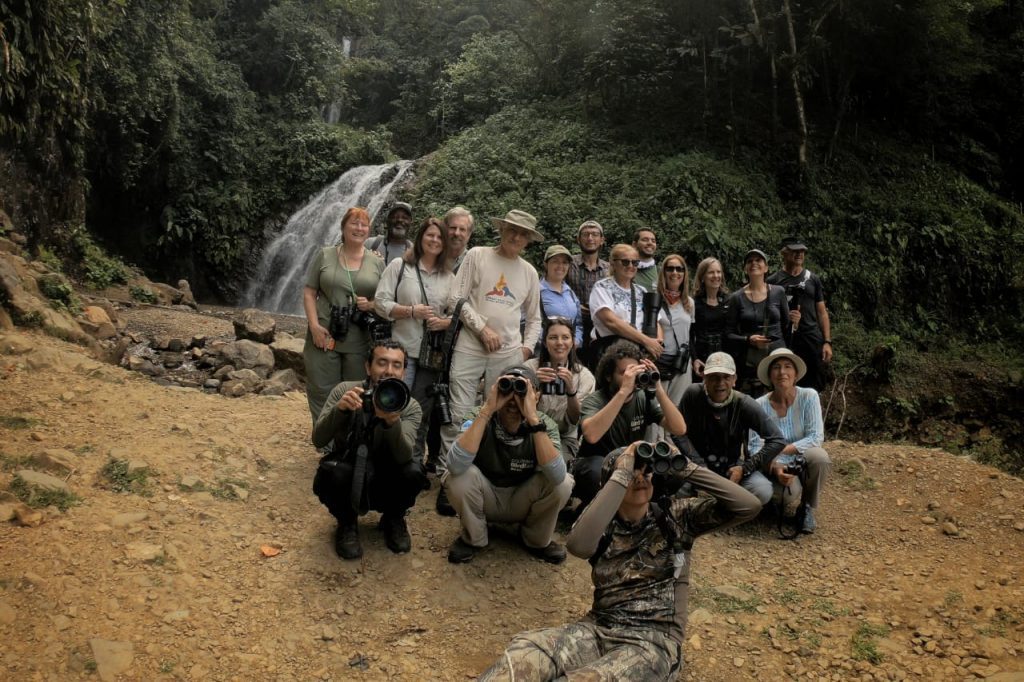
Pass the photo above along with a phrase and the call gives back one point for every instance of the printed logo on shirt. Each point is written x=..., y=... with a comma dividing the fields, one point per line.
x=501, y=293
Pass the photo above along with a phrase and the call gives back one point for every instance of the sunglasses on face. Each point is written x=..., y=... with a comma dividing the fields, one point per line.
x=628, y=263
x=674, y=268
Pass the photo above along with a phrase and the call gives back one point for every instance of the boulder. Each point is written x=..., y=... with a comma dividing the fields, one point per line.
x=246, y=354
x=165, y=293
x=254, y=325
x=28, y=307
x=172, y=360
x=235, y=388
x=280, y=382
x=137, y=364
x=56, y=460
x=6, y=323
x=112, y=658
x=96, y=315
x=101, y=332
x=164, y=342
x=15, y=344
x=43, y=481
x=186, y=294
x=250, y=378
x=288, y=353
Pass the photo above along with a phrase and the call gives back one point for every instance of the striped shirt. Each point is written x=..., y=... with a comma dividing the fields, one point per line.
x=582, y=279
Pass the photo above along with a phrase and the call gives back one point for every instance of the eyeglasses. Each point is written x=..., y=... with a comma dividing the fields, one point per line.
x=587, y=234
x=627, y=263
x=674, y=268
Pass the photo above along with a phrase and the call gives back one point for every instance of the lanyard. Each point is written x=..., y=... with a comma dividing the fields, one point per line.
x=344, y=262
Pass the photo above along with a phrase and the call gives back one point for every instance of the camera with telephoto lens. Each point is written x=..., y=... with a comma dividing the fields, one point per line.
x=389, y=395
x=659, y=458
x=795, y=465
x=439, y=391
x=651, y=305
x=554, y=387
x=337, y=326
x=507, y=385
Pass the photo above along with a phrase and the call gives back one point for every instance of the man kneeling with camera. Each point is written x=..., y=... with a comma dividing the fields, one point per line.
x=506, y=467
x=638, y=542
x=373, y=425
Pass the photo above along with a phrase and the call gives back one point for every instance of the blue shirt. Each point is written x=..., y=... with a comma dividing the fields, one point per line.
x=564, y=304
x=802, y=426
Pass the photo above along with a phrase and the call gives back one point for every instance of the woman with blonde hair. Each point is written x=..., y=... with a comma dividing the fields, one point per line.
x=616, y=305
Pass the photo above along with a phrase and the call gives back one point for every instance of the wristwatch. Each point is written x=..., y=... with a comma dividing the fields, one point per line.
x=536, y=428
x=828, y=341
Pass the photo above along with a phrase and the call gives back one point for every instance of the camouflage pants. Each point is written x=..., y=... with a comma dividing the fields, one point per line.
x=585, y=651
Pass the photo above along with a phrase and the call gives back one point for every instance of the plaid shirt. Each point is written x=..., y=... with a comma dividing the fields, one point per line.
x=582, y=279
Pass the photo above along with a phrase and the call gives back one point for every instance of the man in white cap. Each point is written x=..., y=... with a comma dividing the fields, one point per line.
x=718, y=419
x=498, y=288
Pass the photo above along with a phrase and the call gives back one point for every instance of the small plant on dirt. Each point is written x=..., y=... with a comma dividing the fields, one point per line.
x=724, y=604
x=786, y=595
x=90, y=666
x=14, y=462
x=226, y=488
x=142, y=294
x=864, y=643
x=167, y=666
x=39, y=498
x=60, y=293
x=829, y=607
x=953, y=598
x=853, y=474
x=121, y=480
x=16, y=421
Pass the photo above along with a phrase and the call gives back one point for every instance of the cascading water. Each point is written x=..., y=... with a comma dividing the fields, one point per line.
x=277, y=285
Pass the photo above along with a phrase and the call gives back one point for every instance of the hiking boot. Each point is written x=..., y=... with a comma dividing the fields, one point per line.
x=554, y=553
x=810, y=525
x=346, y=541
x=461, y=551
x=443, y=506
x=396, y=533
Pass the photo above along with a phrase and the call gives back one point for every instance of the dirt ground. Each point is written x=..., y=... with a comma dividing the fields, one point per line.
x=915, y=573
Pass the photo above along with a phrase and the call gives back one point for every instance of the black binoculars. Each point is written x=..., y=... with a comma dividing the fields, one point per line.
x=648, y=379
x=659, y=458
x=510, y=384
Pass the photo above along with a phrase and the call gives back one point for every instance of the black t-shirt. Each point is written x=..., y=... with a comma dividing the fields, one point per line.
x=807, y=288
x=708, y=331
x=629, y=423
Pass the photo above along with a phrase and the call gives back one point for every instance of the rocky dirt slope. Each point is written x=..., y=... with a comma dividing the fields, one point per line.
x=159, y=568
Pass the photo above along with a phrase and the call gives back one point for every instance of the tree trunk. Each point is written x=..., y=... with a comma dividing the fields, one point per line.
x=798, y=95
x=762, y=41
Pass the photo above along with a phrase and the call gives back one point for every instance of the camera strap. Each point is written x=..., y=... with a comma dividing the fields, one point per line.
x=452, y=335
x=672, y=326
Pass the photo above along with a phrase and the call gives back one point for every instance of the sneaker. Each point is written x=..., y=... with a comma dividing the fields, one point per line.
x=443, y=506
x=346, y=541
x=461, y=551
x=396, y=533
x=810, y=525
x=554, y=553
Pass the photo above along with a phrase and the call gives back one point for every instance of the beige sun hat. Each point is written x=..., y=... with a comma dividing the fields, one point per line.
x=766, y=364
x=522, y=220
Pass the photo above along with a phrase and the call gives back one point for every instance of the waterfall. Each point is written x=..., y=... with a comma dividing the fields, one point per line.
x=277, y=284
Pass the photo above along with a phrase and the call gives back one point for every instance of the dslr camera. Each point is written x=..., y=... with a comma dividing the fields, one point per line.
x=659, y=458
x=378, y=328
x=443, y=408
x=793, y=293
x=390, y=395
x=554, y=387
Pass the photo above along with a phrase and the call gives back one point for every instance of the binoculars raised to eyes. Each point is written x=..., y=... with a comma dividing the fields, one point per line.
x=659, y=458
x=509, y=384
x=648, y=380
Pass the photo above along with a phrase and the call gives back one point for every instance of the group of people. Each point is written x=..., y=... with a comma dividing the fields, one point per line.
x=529, y=391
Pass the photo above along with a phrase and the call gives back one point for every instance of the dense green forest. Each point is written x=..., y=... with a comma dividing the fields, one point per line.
x=891, y=135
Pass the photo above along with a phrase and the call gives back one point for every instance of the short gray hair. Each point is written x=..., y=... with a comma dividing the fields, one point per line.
x=459, y=212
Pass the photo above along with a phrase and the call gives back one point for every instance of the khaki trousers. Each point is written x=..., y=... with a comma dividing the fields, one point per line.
x=535, y=504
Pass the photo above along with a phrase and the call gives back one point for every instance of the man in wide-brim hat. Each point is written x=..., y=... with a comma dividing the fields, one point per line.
x=497, y=286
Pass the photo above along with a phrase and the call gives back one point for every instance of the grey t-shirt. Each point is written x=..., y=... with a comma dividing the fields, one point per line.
x=629, y=423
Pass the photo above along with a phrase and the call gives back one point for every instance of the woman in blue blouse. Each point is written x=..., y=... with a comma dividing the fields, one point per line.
x=797, y=413
x=557, y=299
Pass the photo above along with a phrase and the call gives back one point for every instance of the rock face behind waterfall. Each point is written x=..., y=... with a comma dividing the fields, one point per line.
x=277, y=283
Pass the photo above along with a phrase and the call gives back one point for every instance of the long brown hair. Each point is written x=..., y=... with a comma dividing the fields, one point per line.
x=545, y=355
x=684, y=288
x=413, y=255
